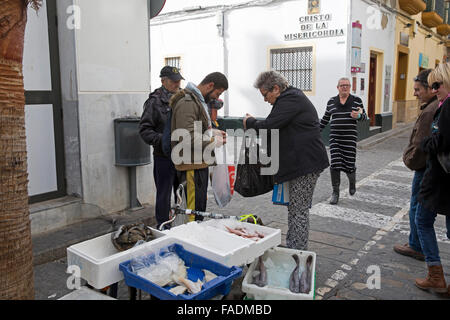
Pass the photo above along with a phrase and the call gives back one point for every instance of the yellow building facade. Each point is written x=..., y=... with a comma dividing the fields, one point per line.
x=420, y=43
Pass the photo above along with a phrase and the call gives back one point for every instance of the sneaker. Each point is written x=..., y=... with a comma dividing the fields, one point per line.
x=406, y=250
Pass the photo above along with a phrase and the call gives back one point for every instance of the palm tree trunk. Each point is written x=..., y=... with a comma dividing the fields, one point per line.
x=16, y=257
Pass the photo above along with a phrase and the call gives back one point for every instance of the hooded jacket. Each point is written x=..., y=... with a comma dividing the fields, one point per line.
x=187, y=113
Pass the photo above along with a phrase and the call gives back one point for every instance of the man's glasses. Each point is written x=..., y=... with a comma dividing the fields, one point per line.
x=344, y=86
x=436, y=85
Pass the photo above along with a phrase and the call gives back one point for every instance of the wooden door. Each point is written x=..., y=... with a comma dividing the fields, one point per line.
x=372, y=89
x=402, y=76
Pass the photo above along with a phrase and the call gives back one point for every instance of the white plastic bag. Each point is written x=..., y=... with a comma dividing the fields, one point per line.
x=221, y=185
x=221, y=179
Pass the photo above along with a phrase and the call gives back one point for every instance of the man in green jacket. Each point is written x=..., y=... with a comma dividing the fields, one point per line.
x=194, y=139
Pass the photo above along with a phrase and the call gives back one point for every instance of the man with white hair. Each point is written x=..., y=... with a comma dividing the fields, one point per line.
x=342, y=113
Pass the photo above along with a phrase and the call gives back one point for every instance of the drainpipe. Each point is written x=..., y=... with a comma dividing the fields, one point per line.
x=221, y=30
x=149, y=45
x=349, y=40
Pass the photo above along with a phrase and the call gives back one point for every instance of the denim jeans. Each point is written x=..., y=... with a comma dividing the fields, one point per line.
x=425, y=226
x=414, y=241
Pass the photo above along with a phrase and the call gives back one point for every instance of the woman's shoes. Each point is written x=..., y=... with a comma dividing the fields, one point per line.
x=435, y=280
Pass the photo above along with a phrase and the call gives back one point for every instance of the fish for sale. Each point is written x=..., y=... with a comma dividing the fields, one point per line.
x=294, y=279
x=260, y=274
x=243, y=232
x=305, y=280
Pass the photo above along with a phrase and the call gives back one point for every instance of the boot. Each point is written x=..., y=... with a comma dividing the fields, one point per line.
x=352, y=182
x=435, y=280
x=335, y=182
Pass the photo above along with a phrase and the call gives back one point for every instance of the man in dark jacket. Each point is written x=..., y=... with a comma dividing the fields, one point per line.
x=151, y=127
x=416, y=160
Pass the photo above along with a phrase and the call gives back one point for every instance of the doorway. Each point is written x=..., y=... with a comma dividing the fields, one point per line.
x=372, y=88
x=402, y=76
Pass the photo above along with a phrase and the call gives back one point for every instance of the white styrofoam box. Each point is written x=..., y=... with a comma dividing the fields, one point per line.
x=272, y=237
x=85, y=293
x=99, y=260
x=224, y=247
x=281, y=259
x=214, y=244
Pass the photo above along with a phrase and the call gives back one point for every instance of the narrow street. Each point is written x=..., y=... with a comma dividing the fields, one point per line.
x=351, y=240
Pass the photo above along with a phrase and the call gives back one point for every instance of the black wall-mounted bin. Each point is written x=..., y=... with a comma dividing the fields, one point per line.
x=131, y=150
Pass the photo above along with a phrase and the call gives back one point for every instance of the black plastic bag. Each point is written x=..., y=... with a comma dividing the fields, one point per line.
x=249, y=181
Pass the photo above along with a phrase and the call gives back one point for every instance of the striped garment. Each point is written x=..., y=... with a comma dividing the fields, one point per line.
x=343, y=131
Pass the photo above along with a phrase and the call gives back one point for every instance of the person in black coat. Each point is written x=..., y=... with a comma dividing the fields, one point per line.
x=151, y=128
x=302, y=154
x=434, y=194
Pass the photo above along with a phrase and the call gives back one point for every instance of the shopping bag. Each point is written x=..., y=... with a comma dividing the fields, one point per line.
x=232, y=175
x=249, y=181
x=280, y=194
x=221, y=183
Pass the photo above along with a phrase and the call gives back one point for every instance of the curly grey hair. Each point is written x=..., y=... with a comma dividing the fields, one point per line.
x=267, y=81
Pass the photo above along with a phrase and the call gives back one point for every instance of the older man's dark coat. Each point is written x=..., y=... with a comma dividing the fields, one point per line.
x=154, y=118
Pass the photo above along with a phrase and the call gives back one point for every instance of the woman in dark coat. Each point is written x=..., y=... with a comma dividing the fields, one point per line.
x=302, y=154
x=434, y=195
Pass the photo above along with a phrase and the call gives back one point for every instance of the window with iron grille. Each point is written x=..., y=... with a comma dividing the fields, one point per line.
x=173, y=62
x=295, y=64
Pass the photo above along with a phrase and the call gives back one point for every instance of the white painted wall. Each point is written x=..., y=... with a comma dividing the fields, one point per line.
x=177, y=5
x=196, y=41
x=374, y=36
x=249, y=32
x=112, y=46
x=113, y=82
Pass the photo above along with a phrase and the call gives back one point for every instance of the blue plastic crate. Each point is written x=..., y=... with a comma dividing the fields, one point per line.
x=194, y=264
